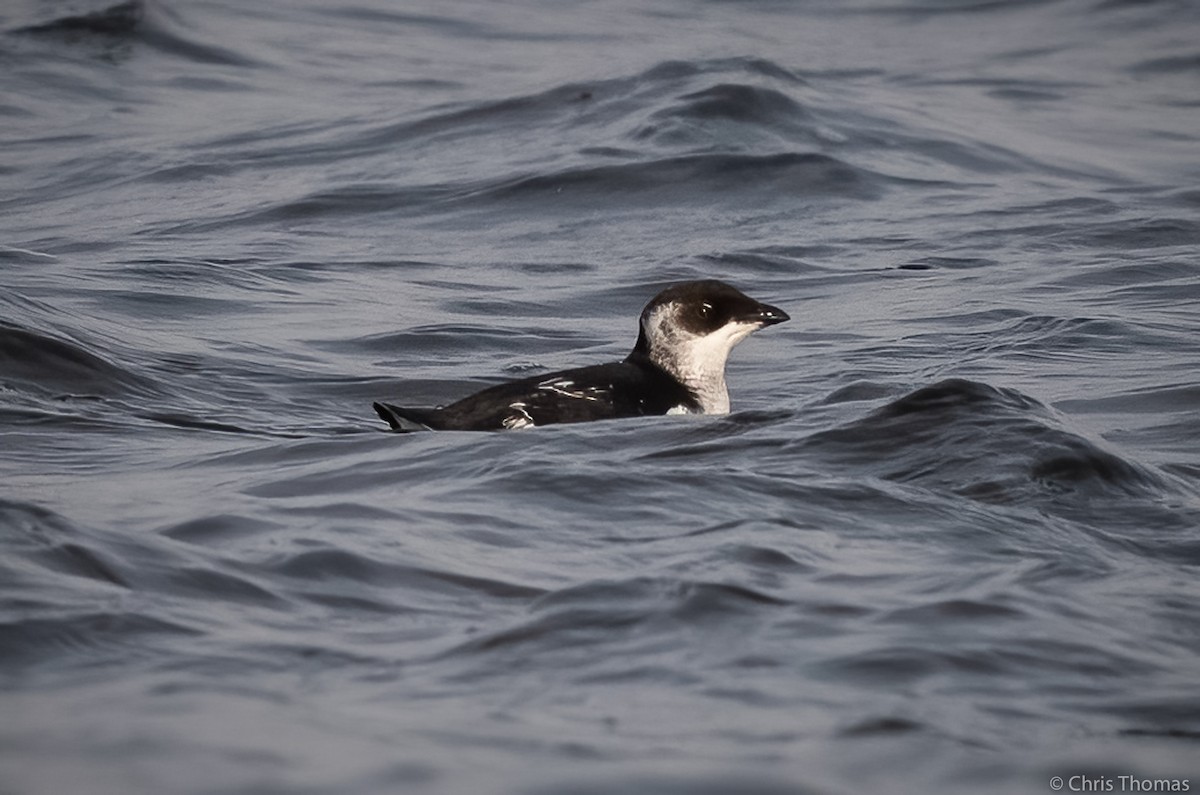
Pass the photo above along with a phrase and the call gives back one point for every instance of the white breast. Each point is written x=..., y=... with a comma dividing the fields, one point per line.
x=696, y=361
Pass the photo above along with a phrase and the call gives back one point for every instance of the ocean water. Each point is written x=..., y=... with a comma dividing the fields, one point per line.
x=948, y=540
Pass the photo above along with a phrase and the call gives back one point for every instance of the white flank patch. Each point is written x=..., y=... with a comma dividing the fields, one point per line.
x=680, y=409
x=564, y=388
x=519, y=420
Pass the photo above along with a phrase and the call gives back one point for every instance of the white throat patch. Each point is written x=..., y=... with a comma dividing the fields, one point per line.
x=696, y=360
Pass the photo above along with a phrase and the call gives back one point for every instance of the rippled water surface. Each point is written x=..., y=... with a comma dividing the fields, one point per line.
x=948, y=541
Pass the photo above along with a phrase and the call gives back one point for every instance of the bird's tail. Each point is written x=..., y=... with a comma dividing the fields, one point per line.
x=404, y=420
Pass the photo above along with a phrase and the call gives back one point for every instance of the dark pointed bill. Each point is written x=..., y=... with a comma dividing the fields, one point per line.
x=767, y=315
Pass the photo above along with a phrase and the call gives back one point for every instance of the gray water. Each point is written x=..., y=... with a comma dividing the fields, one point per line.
x=946, y=542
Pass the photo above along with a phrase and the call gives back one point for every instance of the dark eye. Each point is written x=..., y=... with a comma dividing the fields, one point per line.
x=705, y=310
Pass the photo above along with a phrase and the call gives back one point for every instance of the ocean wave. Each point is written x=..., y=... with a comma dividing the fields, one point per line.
x=569, y=619
x=686, y=180
x=677, y=134
x=51, y=364
x=111, y=25
x=991, y=444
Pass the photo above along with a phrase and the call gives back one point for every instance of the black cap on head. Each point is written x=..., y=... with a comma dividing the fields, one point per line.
x=702, y=307
x=707, y=305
